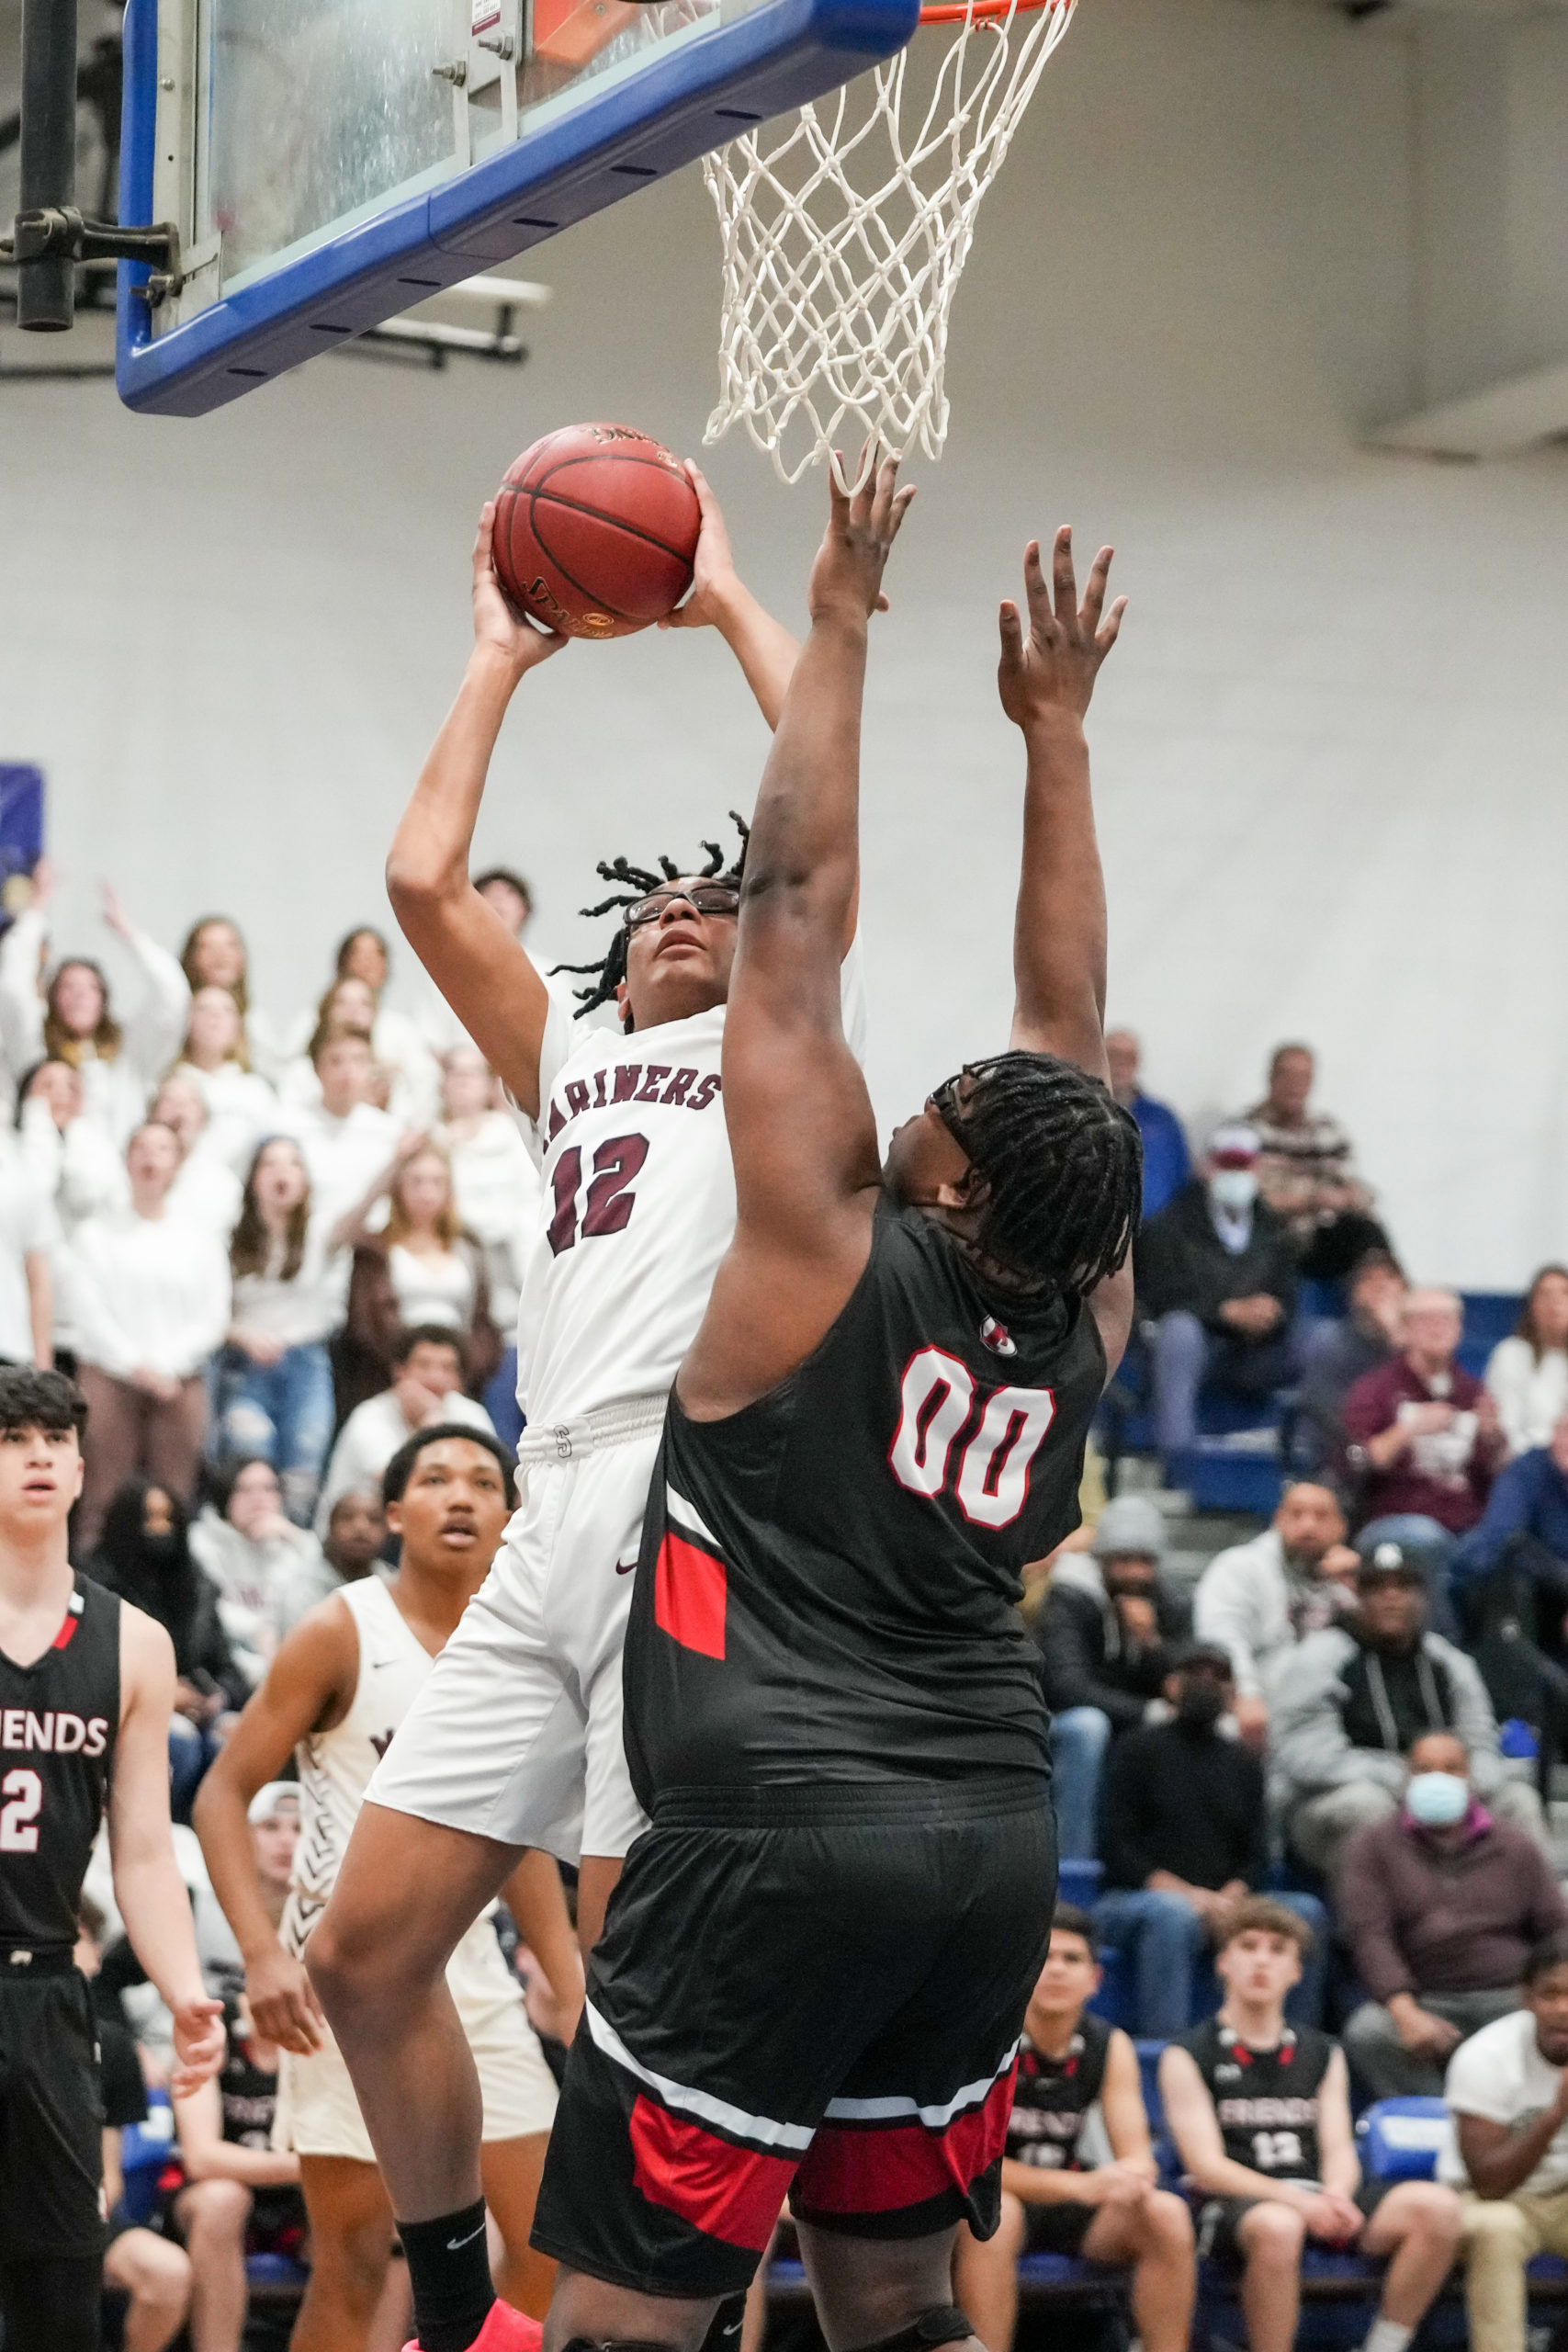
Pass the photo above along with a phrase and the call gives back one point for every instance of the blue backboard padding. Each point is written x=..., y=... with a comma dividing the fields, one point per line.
x=779, y=56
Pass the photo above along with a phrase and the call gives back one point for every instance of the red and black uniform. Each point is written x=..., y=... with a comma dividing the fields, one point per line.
x=58, y=1725
x=1267, y=2103
x=1050, y=2100
x=816, y=1966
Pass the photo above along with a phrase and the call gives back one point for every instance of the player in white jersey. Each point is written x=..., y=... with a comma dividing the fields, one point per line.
x=517, y=1740
x=340, y=1687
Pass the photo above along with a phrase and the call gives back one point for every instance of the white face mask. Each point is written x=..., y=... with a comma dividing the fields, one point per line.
x=1234, y=1189
x=1437, y=1800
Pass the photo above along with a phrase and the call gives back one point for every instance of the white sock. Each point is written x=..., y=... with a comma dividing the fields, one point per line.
x=1387, y=2336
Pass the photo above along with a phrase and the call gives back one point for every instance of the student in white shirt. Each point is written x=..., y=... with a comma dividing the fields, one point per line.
x=214, y=956
x=207, y=1189
x=76, y=1170
x=72, y=1019
x=28, y=1237
x=494, y=1175
x=427, y=1387
x=354, y=1001
x=345, y=1140
x=1508, y=2094
x=241, y=1106
x=150, y=1296
x=1526, y=1374
x=276, y=1379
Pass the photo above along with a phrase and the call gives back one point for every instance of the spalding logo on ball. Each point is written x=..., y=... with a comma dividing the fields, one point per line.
x=596, y=531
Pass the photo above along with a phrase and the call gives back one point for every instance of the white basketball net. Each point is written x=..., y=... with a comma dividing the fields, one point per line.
x=845, y=235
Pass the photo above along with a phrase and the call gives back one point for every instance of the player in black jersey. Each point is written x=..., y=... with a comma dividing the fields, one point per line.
x=816, y=1966
x=86, y=1690
x=1055, y=2198
x=1261, y=2113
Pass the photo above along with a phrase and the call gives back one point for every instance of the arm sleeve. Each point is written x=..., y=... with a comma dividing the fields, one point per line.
x=155, y=1030
x=1508, y=1513
x=1361, y=1898
x=1365, y=1410
x=1221, y=1613
x=1508, y=1382
x=1475, y=2084
x=200, y=1313
x=1312, y=1748
x=1070, y=1677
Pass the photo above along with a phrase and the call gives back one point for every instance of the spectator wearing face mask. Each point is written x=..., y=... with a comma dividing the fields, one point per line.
x=242, y=1540
x=1440, y=1904
x=1336, y=1355
x=1216, y=1273
x=1107, y=1633
x=1349, y=1703
x=149, y=1298
x=241, y=1106
x=1257, y=1601
x=1307, y=1171
x=1167, y=1162
x=72, y=1019
x=1183, y=1838
x=1422, y=1440
x=1526, y=1374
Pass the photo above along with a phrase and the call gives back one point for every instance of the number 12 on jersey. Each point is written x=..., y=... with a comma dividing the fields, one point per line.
x=609, y=1205
x=937, y=1401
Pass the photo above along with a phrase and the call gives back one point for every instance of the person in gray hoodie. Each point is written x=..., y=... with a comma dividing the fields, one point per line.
x=1349, y=1703
x=1259, y=1599
x=1108, y=1634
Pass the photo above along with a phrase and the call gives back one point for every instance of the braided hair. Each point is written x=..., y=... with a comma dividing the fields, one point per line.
x=611, y=968
x=1057, y=1168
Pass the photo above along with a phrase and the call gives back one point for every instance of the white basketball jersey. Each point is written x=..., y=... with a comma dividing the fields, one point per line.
x=638, y=1207
x=335, y=1771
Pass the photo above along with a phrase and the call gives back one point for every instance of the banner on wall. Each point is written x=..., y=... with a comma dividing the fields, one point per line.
x=21, y=833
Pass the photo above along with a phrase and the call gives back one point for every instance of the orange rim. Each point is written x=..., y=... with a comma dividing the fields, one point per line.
x=981, y=12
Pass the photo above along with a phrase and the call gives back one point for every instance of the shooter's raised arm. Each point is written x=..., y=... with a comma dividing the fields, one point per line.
x=1046, y=678
x=479, y=967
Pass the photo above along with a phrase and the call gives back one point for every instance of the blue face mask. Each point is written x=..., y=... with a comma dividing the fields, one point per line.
x=1437, y=1800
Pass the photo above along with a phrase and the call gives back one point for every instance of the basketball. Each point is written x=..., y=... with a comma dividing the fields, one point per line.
x=596, y=530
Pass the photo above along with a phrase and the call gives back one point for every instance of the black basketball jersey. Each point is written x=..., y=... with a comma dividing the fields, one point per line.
x=1051, y=2097
x=247, y=2093
x=829, y=1579
x=1266, y=2100
x=59, y=1723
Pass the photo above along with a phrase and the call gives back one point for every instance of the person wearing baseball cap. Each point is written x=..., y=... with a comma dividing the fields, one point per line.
x=1216, y=1272
x=1352, y=1702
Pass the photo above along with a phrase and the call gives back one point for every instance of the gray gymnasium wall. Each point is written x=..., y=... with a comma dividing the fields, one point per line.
x=1329, y=754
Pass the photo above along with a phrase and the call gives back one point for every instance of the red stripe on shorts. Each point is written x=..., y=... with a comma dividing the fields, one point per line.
x=725, y=2191
x=690, y=1591
x=882, y=2167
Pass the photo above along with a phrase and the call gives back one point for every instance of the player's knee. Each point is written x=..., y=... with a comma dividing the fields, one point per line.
x=1274, y=2235
x=215, y=2208
x=163, y=2280
x=360, y=1964
x=1167, y=2223
x=1435, y=2212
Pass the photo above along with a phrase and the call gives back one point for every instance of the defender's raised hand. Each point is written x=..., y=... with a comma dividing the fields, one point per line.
x=847, y=574
x=1054, y=666
x=497, y=623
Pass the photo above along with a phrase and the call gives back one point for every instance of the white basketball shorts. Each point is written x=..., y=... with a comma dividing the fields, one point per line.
x=318, y=2114
x=516, y=1735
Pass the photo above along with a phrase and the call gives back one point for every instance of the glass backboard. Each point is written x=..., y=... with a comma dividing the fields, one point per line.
x=329, y=162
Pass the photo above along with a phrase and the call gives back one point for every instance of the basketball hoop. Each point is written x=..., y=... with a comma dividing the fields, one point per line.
x=845, y=232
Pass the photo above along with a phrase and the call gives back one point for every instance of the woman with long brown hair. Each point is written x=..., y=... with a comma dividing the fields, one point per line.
x=69, y=1017
x=422, y=1267
x=1526, y=1374
x=356, y=1000
x=275, y=1396
x=241, y=1105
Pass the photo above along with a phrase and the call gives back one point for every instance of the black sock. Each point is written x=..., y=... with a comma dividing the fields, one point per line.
x=449, y=2272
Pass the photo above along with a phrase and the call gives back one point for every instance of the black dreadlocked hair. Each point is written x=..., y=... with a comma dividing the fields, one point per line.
x=610, y=969
x=1058, y=1167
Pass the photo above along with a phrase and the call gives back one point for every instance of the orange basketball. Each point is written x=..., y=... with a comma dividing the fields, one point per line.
x=595, y=531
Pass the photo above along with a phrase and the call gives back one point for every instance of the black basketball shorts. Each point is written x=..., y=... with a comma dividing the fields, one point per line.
x=825, y=2004
x=51, y=2119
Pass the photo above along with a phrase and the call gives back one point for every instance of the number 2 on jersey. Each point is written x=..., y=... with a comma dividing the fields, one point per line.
x=609, y=1205
x=936, y=1399
x=19, y=1819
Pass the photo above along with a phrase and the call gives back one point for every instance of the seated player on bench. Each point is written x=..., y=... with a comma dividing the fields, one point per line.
x=1261, y=2113
x=1055, y=2198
